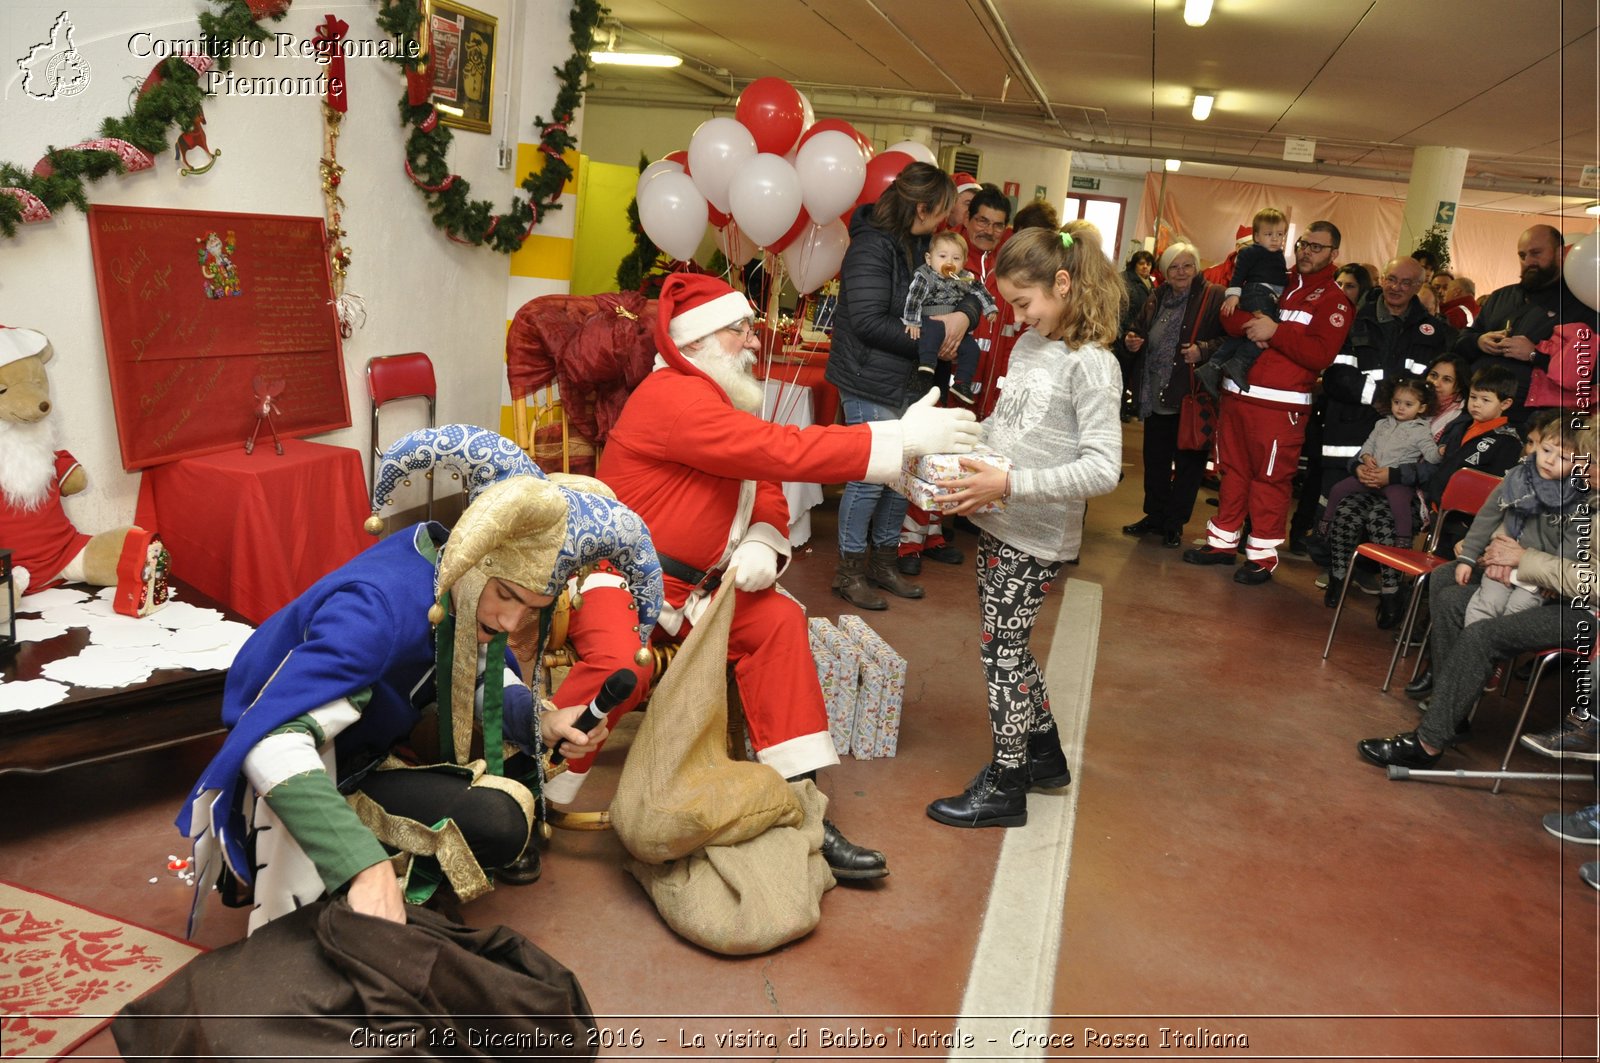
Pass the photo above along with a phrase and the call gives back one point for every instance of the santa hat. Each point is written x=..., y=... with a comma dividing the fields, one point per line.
x=965, y=182
x=19, y=343
x=691, y=306
x=1243, y=233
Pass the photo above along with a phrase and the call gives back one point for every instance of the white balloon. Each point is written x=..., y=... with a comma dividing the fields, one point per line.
x=735, y=246
x=673, y=213
x=816, y=255
x=808, y=116
x=718, y=149
x=1582, y=270
x=764, y=198
x=832, y=173
x=918, y=151
x=655, y=168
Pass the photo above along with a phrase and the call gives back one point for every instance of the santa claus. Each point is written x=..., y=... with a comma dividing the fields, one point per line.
x=692, y=457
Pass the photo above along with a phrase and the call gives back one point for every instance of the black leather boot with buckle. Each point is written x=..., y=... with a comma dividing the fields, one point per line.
x=850, y=583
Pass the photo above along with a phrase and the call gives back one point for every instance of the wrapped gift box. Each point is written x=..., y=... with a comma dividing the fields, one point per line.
x=883, y=705
x=933, y=467
x=917, y=477
x=839, y=671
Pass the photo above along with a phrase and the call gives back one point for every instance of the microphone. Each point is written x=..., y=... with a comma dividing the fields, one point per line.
x=613, y=692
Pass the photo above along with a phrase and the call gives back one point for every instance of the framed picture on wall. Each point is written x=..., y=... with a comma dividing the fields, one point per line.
x=461, y=59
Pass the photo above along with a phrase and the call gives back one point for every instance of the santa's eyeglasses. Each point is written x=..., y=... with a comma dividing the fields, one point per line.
x=743, y=329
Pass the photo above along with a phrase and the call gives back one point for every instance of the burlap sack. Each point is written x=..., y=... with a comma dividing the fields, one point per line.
x=680, y=791
x=743, y=899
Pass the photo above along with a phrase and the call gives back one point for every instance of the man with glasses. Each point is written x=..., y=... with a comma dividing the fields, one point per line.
x=691, y=455
x=1260, y=431
x=1392, y=336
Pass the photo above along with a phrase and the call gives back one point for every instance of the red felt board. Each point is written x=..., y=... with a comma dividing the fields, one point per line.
x=194, y=305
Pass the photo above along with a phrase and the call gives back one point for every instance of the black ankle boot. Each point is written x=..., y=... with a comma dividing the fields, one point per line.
x=1391, y=610
x=524, y=869
x=997, y=797
x=1047, y=764
x=847, y=860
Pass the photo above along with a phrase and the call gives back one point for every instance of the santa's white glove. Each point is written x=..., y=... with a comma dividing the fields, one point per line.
x=754, y=566
x=926, y=429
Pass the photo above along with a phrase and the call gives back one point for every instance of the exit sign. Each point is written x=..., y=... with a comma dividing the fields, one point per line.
x=1086, y=184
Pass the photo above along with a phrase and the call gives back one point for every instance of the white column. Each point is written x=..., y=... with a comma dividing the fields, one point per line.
x=1432, y=195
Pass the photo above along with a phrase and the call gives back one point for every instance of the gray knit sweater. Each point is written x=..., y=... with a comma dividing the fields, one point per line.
x=1056, y=420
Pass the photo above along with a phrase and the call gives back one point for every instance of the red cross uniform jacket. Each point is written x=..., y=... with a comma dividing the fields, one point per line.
x=1313, y=320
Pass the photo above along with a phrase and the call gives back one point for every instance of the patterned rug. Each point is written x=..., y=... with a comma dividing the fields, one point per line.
x=65, y=971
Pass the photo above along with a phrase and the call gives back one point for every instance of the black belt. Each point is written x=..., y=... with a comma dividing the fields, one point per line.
x=709, y=581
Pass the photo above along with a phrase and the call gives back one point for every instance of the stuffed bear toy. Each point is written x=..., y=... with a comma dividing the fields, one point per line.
x=34, y=476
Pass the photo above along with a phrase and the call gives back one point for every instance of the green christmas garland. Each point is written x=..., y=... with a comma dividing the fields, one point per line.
x=176, y=99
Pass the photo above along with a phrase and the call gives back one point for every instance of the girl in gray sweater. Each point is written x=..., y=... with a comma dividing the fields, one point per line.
x=1056, y=420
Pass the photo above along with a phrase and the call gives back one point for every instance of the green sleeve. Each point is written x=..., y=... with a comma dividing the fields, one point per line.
x=324, y=825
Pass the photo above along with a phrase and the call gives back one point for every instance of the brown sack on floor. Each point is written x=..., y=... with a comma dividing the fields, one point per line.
x=727, y=850
x=325, y=981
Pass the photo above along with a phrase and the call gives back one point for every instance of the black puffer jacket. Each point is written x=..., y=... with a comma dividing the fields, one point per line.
x=1374, y=355
x=871, y=354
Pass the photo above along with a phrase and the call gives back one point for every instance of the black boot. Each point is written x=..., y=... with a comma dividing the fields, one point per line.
x=910, y=564
x=997, y=797
x=881, y=571
x=850, y=583
x=524, y=869
x=1209, y=374
x=1047, y=764
x=1391, y=610
x=1421, y=686
x=848, y=860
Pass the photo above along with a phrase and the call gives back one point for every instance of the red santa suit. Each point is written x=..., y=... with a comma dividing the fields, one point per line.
x=996, y=334
x=704, y=475
x=1260, y=431
x=40, y=537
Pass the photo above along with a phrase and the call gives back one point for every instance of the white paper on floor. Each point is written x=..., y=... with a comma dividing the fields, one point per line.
x=39, y=600
x=21, y=695
x=38, y=630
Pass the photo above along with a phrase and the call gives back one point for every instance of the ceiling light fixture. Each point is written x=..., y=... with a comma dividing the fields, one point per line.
x=1196, y=12
x=1172, y=165
x=1202, y=106
x=655, y=59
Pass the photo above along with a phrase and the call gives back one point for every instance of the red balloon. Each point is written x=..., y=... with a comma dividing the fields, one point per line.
x=771, y=109
x=841, y=126
x=777, y=246
x=680, y=157
x=716, y=217
x=881, y=172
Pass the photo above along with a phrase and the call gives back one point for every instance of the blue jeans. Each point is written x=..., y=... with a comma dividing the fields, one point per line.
x=869, y=510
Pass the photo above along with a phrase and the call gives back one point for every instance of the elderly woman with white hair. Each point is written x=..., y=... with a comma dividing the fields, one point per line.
x=1178, y=329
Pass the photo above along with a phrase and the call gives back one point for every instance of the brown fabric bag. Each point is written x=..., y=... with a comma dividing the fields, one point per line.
x=679, y=790
x=325, y=981
x=727, y=850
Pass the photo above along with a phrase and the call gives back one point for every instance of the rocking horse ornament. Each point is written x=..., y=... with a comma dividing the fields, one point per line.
x=267, y=392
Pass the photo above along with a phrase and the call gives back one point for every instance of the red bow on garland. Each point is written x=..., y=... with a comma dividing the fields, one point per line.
x=330, y=37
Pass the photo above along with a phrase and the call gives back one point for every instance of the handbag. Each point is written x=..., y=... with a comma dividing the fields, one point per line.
x=1197, y=410
x=1197, y=418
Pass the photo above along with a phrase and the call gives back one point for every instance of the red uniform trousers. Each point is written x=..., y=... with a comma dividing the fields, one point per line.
x=1258, y=448
x=768, y=647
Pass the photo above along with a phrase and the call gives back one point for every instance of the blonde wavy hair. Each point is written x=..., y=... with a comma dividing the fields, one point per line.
x=1033, y=257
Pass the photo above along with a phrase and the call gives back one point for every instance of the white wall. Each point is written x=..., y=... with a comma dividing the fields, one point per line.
x=422, y=291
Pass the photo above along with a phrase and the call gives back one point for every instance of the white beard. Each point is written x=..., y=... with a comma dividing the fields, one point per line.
x=27, y=462
x=731, y=372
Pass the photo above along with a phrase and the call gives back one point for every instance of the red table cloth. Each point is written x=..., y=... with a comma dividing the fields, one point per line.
x=255, y=530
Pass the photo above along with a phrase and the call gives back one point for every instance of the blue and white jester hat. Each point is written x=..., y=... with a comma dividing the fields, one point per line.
x=478, y=456
x=537, y=536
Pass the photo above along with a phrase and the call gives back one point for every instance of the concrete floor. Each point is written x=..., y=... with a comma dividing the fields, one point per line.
x=1235, y=870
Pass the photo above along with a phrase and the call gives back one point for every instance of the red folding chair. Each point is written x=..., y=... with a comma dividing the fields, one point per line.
x=393, y=377
x=1466, y=492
